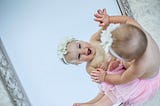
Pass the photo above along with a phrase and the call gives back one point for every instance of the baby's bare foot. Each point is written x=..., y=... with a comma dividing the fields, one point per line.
x=77, y=104
x=82, y=104
x=86, y=104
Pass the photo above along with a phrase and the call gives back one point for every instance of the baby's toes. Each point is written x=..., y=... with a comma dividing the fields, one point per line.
x=76, y=104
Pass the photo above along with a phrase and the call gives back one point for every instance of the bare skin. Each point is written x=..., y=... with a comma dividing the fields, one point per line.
x=101, y=99
x=100, y=60
x=145, y=67
x=95, y=56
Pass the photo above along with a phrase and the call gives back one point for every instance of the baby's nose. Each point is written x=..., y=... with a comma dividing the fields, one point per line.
x=83, y=51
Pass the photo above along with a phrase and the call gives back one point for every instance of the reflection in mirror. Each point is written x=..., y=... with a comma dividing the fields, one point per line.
x=30, y=32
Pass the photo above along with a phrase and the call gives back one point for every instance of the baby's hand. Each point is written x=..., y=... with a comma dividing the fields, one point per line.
x=98, y=76
x=102, y=17
x=104, y=66
x=113, y=65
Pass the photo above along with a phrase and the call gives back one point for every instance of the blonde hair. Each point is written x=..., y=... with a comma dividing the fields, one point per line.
x=67, y=56
x=129, y=41
x=62, y=49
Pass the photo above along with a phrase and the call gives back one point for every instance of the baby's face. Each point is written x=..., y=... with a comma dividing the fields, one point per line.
x=79, y=51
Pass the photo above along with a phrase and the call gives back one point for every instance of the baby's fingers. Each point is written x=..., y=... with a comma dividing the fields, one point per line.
x=94, y=73
x=94, y=77
x=98, y=15
x=104, y=11
x=98, y=20
x=96, y=80
x=101, y=24
x=101, y=67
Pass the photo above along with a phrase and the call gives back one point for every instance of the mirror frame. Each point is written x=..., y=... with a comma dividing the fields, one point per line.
x=11, y=81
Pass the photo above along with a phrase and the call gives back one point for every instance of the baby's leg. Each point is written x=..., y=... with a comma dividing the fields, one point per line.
x=82, y=104
x=105, y=101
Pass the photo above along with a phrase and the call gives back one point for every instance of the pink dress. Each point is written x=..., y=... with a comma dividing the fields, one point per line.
x=131, y=93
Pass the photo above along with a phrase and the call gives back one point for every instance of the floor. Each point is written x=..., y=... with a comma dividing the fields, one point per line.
x=146, y=12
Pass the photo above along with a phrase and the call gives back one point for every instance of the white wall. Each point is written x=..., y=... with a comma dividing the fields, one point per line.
x=31, y=30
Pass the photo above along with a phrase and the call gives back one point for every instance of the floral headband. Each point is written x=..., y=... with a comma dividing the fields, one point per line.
x=106, y=38
x=62, y=48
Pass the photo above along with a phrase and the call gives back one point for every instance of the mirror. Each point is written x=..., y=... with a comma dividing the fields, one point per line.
x=30, y=31
x=30, y=71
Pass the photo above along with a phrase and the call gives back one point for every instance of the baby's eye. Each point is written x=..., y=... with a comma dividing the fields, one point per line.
x=79, y=56
x=79, y=46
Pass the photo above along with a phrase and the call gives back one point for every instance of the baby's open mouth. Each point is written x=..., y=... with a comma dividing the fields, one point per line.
x=89, y=51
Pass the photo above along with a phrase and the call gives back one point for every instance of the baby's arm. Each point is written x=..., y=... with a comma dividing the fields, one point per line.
x=101, y=70
x=96, y=37
x=97, y=98
x=128, y=75
x=104, y=19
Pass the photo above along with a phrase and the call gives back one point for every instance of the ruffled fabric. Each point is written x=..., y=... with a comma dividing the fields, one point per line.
x=106, y=36
x=132, y=93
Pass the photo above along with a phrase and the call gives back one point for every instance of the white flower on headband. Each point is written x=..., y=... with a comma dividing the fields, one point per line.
x=106, y=37
x=62, y=47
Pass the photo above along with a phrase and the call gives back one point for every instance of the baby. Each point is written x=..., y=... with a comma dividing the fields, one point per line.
x=72, y=51
x=131, y=45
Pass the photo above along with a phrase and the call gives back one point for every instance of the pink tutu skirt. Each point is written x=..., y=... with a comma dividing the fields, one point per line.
x=132, y=93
